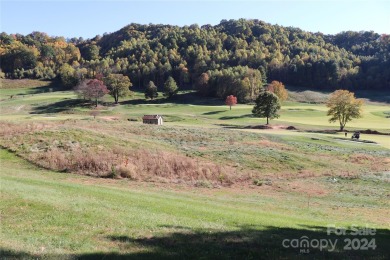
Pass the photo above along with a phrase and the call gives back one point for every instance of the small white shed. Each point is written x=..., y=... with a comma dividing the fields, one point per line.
x=153, y=119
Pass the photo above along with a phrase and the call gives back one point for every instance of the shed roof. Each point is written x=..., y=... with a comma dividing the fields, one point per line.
x=151, y=117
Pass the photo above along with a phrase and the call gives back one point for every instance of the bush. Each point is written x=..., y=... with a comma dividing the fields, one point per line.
x=203, y=184
x=258, y=182
x=128, y=172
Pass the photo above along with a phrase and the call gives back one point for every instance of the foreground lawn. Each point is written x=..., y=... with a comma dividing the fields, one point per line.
x=56, y=215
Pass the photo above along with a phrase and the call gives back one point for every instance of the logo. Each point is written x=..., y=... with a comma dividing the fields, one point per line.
x=359, y=238
x=305, y=243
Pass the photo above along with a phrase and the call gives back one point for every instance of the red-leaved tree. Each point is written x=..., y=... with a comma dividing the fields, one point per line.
x=95, y=90
x=231, y=101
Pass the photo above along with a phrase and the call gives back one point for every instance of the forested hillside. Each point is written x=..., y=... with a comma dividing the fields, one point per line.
x=234, y=57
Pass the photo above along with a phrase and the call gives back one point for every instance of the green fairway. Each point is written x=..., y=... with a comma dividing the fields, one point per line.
x=374, y=116
x=60, y=105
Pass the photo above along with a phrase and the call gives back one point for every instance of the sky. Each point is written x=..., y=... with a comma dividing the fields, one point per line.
x=89, y=18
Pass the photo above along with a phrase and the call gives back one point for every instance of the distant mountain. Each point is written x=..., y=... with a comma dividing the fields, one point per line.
x=233, y=49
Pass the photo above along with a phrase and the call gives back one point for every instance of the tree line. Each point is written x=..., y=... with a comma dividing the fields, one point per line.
x=118, y=86
x=235, y=57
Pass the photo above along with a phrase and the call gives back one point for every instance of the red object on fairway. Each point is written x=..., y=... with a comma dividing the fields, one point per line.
x=231, y=101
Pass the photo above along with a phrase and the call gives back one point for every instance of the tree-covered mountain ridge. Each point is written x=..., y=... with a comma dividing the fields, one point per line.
x=232, y=57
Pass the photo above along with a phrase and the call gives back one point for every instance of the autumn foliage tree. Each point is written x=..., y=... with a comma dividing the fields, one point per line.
x=231, y=101
x=96, y=90
x=278, y=89
x=202, y=84
x=267, y=105
x=92, y=89
x=343, y=107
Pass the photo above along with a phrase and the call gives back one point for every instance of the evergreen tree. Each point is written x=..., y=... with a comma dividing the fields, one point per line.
x=170, y=88
x=151, y=91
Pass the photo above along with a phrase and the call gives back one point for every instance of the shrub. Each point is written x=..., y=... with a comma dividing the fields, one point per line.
x=203, y=184
x=128, y=171
x=257, y=182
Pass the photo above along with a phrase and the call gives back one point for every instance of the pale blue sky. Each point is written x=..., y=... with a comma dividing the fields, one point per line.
x=88, y=18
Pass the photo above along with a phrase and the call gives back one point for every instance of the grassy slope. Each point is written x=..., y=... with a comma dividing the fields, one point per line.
x=53, y=214
x=242, y=156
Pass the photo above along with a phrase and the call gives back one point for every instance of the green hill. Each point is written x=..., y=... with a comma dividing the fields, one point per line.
x=230, y=52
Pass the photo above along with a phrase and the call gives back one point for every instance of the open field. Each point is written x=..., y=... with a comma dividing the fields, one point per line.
x=207, y=184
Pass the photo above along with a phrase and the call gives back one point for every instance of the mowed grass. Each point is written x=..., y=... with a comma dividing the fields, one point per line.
x=47, y=214
x=188, y=110
x=194, y=111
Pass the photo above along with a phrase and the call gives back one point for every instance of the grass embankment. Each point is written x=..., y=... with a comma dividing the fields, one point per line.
x=56, y=215
x=199, y=156
x=10, y=88
x=24, y=84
